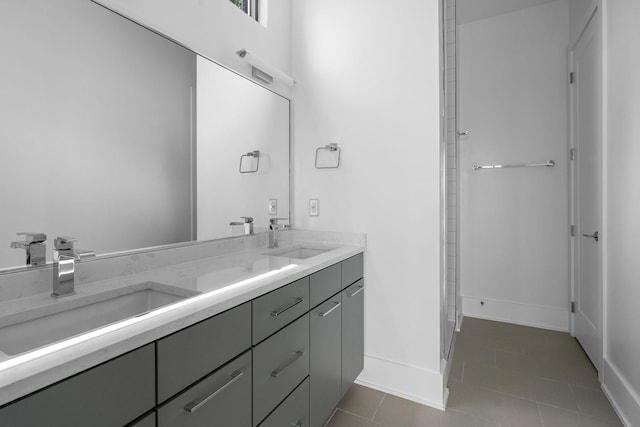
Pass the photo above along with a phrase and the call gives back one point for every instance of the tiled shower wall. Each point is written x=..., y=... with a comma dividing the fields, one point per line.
x=452, y=158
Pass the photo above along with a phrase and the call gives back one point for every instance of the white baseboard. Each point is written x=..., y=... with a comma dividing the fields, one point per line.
x=408, y=382
x=625, y=400
x=538, y=316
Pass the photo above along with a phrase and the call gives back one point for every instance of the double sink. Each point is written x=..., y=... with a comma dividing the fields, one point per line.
x=77, y=315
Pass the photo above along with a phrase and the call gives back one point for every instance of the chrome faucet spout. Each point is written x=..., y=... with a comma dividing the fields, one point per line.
x=64, y=266
x=273, y=228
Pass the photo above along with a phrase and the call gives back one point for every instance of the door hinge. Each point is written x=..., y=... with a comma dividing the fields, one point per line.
x=572, y=153
x=573, y=230
x=573, y=306
x=572, y=77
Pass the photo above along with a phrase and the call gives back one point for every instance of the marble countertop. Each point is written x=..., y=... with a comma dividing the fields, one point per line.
x=216, y=277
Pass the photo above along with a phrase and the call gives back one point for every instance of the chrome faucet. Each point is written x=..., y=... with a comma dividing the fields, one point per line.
x=247, y=223
x=273, y=228
x=34, y=246
x=64, y=265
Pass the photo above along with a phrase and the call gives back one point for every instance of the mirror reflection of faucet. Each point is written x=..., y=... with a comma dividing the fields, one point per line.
x=34, y=246
x=247, y=223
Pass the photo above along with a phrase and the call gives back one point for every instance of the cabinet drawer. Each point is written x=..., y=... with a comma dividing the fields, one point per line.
x=352, y=269
x=280, y=363
x=294, y=411
x=324, y=283
x=277, y=309
x=112, y=394
x=192, y=353
x=221, y=399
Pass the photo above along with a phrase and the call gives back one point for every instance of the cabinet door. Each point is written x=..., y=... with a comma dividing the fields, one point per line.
x=352, y=333
x=110, y=395
x=352, y=269
x=148, y=421
x=325, y=359
x=221, y=399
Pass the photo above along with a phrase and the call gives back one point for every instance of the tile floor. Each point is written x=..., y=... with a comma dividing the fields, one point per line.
x=502, y=375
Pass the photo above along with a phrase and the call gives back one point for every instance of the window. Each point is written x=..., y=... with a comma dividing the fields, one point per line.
x=250, y=7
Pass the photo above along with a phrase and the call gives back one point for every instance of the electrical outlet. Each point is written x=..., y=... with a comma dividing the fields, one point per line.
x=314, y=207
x=273, y=207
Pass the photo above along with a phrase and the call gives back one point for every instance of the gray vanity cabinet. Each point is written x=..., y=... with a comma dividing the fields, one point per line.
x=148, y=421
x=325, y=359
x=352, y=333
x=221, y=399
x=324, y=283
x=111, y=395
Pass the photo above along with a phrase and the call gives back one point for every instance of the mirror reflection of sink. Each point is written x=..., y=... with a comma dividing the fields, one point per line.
x=299, y=252
x=86, y=313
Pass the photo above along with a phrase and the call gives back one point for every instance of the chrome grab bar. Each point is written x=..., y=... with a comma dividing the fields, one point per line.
x=276, y=313
x=276, y=373
x=326, y=313
x=549, y=164
x=195, y=405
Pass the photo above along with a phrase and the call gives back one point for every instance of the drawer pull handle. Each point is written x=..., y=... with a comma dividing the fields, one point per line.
x=326, y=313
x=277, y=372
x=195, y=405
x=353, y=294
x=276, y=313
x=299, y=423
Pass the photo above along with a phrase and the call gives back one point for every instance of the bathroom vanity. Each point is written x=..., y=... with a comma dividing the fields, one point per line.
x=258, y=338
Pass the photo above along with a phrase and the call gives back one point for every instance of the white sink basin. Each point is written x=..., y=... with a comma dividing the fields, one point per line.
x=80, y=315
x=299, y=252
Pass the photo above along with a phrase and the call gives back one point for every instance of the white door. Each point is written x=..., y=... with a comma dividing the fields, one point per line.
x=586, y=104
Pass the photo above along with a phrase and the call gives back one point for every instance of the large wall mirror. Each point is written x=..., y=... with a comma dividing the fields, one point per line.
x=120, y=137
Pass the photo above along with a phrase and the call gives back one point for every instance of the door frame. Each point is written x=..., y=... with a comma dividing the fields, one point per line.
x=597, y=11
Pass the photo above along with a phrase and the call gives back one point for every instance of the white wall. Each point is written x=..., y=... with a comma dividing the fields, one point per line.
x=622, y=293
x=372, y=87
x=217, y=29
x=236, y=116
x=514, y=222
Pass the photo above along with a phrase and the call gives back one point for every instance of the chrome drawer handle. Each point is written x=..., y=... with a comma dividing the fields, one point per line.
x=353, y=294
x=276, y=313
x=326, y=313
x=197, y=404
x=277, y=372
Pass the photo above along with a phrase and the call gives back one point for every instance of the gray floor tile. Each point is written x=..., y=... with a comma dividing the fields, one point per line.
x=501, y=408
x=362, y=401
x=520, y=385
x=556, y=417
x=556, y=369
x=344, y=419
x=595, y=403
x=397, y=412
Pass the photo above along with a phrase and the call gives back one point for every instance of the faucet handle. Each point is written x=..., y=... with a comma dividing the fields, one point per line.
x=64, y=243
x=32, y=237
x=247, y=219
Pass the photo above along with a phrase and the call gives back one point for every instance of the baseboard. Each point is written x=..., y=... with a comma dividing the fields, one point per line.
x=408, y=382
x=538, y=316
x=625, y=400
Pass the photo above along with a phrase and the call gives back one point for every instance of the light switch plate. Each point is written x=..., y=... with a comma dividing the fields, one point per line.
x=273, y=207
x=314, y=207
